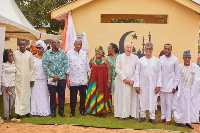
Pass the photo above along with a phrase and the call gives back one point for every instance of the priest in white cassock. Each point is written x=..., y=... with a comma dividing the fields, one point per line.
x=185, y=104
x=24, y=79
x=126, y=99
x=169, y=65
x=148, y=80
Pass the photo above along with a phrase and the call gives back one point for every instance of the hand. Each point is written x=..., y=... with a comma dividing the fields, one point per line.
x=108, y=85
x=8, y=90
x=131, y=82
x=55, y=79
x=157, y=89
x=126, y=81
x=68, y=84
x=31, y=84
x=173, y=90
x=137, y=89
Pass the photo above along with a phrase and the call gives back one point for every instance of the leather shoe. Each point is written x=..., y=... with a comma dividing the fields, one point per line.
x=53, y=115
x=189, y=125
x=142, y=119
x=152, y=121
x=178, y=124
x=19, y=116
x=167, y=123
x=162, y=120
x=62, y=114
x=83, y=113
x=28, y=115
x=71, y=114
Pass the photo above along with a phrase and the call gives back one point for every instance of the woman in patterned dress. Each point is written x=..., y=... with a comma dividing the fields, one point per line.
x=98, y=100
x=113, y=52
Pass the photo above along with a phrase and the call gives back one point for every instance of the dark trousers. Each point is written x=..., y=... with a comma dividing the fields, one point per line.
x=60, y=89
x=73, y=97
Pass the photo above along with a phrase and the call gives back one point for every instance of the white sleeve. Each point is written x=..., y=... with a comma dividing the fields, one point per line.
x=137, y=75
x=176, y=74
x=118, y=69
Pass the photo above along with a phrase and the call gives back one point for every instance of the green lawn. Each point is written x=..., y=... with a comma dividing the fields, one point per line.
x=90, y=120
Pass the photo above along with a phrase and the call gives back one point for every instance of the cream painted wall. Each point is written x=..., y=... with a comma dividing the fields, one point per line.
x=182, y=30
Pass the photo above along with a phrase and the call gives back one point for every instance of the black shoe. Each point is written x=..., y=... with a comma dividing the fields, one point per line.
x=53, y=115
x=28, y=115
x=142, y=119
x=19, y=116
x=83, y=113
x=62, y=114
x=152, y=121
x=71, y=114
x=178, y=124
x=189, y=125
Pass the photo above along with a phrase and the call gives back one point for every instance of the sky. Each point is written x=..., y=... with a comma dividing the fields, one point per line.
x=197, y=1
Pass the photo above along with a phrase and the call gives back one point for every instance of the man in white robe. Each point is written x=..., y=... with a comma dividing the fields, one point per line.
x=125, y=99
x=169, y=65
x=185, y=103
x=24, y=79
x=148, y=80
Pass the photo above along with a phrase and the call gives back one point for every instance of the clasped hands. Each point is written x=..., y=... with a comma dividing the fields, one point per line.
x=128, y=81
x=157, y=89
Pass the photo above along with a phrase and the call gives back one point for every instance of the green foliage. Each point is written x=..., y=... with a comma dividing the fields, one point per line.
x=123, y=20
x=37, y=13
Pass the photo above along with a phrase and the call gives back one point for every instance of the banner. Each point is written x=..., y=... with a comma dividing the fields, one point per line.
x=2, y=40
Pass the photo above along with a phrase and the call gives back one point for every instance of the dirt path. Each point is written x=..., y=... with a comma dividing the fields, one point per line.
x=29, y=128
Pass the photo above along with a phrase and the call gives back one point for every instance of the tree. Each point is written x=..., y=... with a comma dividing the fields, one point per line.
x=36, y=12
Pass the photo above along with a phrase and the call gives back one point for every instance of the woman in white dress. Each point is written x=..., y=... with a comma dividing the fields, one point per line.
x=40, y=95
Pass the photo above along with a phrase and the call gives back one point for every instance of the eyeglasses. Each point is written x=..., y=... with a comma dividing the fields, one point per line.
x=38, y=47
x=148, y=49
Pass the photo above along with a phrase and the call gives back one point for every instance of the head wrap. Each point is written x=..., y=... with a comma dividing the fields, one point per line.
x=33, y=48
x=42, y=44
x=186, y=53
x=99, y=48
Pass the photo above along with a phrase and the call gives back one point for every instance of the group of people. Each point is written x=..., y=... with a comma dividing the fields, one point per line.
x=139, y=82
x=29, y=81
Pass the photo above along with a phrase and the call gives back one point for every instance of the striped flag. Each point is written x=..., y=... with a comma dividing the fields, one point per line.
x=69, y=34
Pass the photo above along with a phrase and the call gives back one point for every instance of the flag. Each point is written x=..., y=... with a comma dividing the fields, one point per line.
x=69, y=34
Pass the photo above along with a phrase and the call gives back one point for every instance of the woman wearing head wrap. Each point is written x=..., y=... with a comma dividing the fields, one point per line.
x=98, y=100
x=40, y=95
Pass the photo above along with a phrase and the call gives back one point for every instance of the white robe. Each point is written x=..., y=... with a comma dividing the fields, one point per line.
x=148, y=76
x=125, y=97
x=24, y=74
x=186, y=99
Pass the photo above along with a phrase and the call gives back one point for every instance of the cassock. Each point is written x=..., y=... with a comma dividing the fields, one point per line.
x=24, y=74
x=148, y=76
x=186, y=99
x=125, y=97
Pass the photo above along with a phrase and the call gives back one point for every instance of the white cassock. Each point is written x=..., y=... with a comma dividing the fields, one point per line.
x=148, y=76
x=125, y=97
x=24, y=74
x=186, y=99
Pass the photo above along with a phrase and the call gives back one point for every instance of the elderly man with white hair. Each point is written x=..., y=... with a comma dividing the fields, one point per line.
x=148, y=80
x=126, y=99
x=40, y=95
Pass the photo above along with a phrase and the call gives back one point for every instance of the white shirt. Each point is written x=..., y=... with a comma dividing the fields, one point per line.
x=8, y=74
x=169, y=66
x=78, y=67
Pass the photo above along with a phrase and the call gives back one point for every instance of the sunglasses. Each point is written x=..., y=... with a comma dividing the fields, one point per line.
x=38, y=47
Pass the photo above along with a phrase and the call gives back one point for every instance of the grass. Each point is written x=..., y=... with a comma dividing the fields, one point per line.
x=89, y=120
